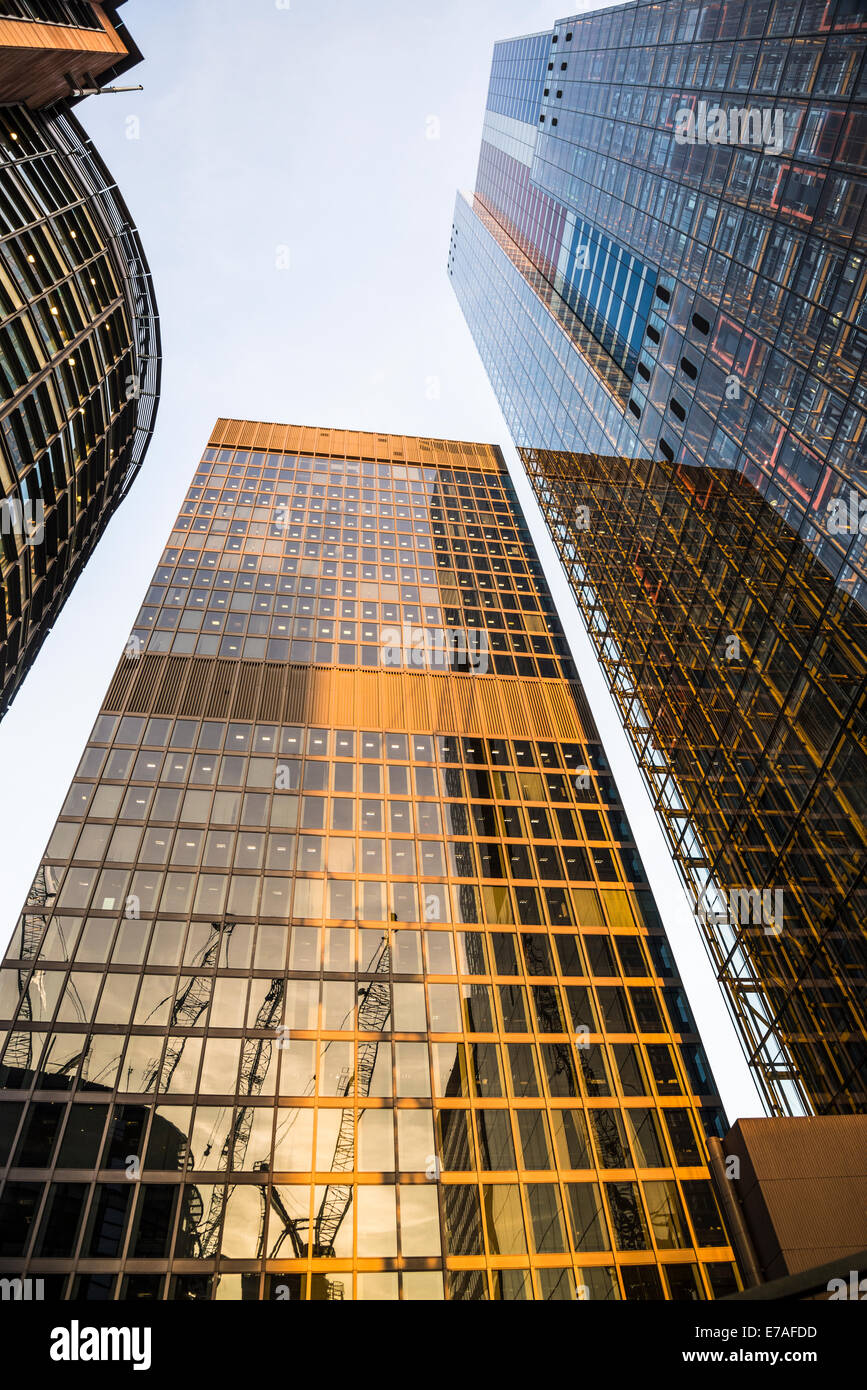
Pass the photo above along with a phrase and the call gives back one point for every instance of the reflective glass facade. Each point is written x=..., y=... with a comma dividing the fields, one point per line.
x=700, y=457
x=342, y=981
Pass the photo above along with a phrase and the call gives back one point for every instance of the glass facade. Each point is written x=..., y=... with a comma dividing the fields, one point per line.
x=663, y=268
x=340, y=979
x=79, y=369
x=72, y=14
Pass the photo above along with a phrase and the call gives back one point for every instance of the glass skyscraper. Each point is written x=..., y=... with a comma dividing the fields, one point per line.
x=663, y=267
x=340, y=977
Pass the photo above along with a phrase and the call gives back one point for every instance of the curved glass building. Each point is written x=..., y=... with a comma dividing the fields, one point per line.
x=79, y=332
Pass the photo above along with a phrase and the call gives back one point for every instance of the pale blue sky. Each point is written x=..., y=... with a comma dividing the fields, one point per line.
x=264, y=128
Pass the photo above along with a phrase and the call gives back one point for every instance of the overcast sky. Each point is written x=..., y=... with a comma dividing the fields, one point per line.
x=332, y=137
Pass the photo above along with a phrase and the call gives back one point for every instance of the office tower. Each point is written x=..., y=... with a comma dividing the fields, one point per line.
x=340, y=977
x=79, y=332
x=663, y=268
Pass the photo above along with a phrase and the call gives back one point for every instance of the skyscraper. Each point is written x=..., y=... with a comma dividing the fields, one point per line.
x=79, y=331
x=340, y=976
x=663, y=268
